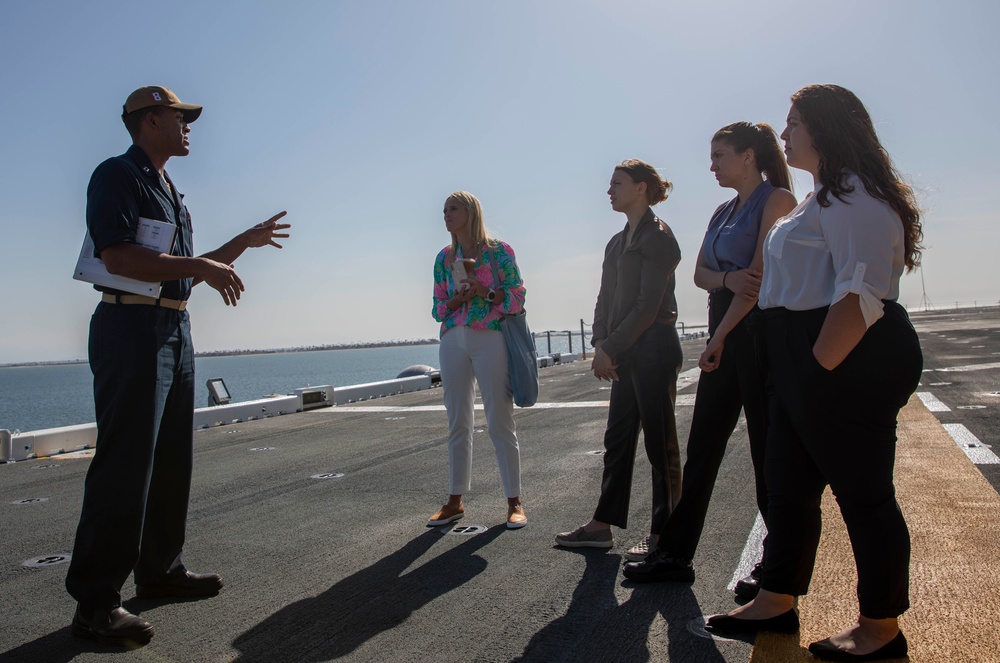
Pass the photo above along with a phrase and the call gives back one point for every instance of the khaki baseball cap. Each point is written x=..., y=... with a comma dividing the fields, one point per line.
x=155, y=95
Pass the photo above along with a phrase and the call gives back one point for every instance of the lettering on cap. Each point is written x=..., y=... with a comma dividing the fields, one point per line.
x=156, y=96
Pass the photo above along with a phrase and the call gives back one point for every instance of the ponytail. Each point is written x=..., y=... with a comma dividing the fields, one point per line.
x=762, y=139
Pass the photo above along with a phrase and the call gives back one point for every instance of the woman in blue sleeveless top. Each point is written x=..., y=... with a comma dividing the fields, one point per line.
x=729, y=267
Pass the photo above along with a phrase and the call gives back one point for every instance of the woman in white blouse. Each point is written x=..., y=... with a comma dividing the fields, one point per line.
x=841, y=359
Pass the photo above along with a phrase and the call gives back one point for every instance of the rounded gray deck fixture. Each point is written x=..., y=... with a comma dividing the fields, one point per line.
x=421, y=369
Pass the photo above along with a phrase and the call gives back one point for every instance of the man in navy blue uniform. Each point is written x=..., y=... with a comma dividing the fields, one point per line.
x=136, y=494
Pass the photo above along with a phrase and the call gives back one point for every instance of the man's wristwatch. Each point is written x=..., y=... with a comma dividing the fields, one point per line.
x=491, y=295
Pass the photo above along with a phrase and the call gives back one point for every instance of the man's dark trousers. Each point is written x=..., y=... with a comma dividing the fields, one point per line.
x=137, y=488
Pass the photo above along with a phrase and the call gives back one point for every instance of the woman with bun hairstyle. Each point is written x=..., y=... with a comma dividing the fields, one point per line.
x=746, y=157
x=638, y=350
x=469, y=306
x=842, y=358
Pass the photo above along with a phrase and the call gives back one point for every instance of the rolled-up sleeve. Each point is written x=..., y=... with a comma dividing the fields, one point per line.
x=865, y=238
x=440, y=310
x=510, y=278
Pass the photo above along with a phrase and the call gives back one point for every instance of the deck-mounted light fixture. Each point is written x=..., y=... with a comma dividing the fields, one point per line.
x=217, y=392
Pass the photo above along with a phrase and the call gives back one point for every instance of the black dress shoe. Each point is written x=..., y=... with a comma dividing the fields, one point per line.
x=118, y=627
x=659, y=567
x=189, y=586
x=786, y=622
x=895, y=648
x=748, y=587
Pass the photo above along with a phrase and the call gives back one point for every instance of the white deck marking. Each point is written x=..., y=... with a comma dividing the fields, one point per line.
x=753, y=552
x=978, y=453
x=440, y=408
x=931, y=402
x=685, y=380
x=688, y=378
x=683, y=400
x=969, y=367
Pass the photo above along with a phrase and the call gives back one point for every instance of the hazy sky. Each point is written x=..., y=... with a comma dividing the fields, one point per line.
x=360, y=118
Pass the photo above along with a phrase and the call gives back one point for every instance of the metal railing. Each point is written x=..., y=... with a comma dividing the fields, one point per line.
x=926, y=305
x=563, y=340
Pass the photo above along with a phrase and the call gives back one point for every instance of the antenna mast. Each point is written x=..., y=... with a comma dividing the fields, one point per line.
x=925, y=302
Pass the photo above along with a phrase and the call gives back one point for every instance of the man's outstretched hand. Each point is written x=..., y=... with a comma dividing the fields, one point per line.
x=267, y=231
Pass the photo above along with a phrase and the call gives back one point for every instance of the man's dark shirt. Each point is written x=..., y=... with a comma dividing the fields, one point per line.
x=127, y=187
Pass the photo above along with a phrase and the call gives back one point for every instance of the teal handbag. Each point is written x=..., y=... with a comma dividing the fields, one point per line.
x=522, y=357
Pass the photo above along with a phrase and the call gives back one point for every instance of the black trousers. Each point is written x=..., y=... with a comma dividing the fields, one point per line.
x=643, y=399
x=839, y=428
x=737, y=384
x=136, y=493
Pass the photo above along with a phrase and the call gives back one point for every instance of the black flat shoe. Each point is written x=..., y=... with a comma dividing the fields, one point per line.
x=658, y=567
x=895, y=648
x=786, y=622
x=188, y=586
x=747, y=588
x=117, y=627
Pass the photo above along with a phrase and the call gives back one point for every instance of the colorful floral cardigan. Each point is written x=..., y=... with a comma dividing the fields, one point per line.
x=478, y=313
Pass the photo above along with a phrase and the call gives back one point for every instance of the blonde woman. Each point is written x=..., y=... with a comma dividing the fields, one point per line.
x=469, y=306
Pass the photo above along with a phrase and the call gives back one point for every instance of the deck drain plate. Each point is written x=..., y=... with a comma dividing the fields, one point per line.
x=31, y=500
x=696, y=627
x=261, y=448
x=468, y=530
x=47, y=560
x=327, y=475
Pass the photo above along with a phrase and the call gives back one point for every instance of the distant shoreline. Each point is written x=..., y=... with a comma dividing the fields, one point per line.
x=237, y=353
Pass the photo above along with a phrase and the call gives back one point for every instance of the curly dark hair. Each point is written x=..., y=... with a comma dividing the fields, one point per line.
x=844, y=137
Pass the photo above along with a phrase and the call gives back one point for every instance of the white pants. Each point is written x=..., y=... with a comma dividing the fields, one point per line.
x=468, y=354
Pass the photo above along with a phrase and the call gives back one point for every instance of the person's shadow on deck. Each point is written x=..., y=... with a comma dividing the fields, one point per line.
x=596, y=627
x=359, y=607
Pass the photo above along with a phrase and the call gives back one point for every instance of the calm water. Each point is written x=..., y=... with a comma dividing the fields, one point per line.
x=49, y=396
x=32, y=398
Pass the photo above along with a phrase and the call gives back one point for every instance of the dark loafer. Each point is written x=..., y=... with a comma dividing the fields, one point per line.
x=786, y=622
x=895, y=648
x=118, y=627
x=659, y=567
x=748, y=587
x=188, y=586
